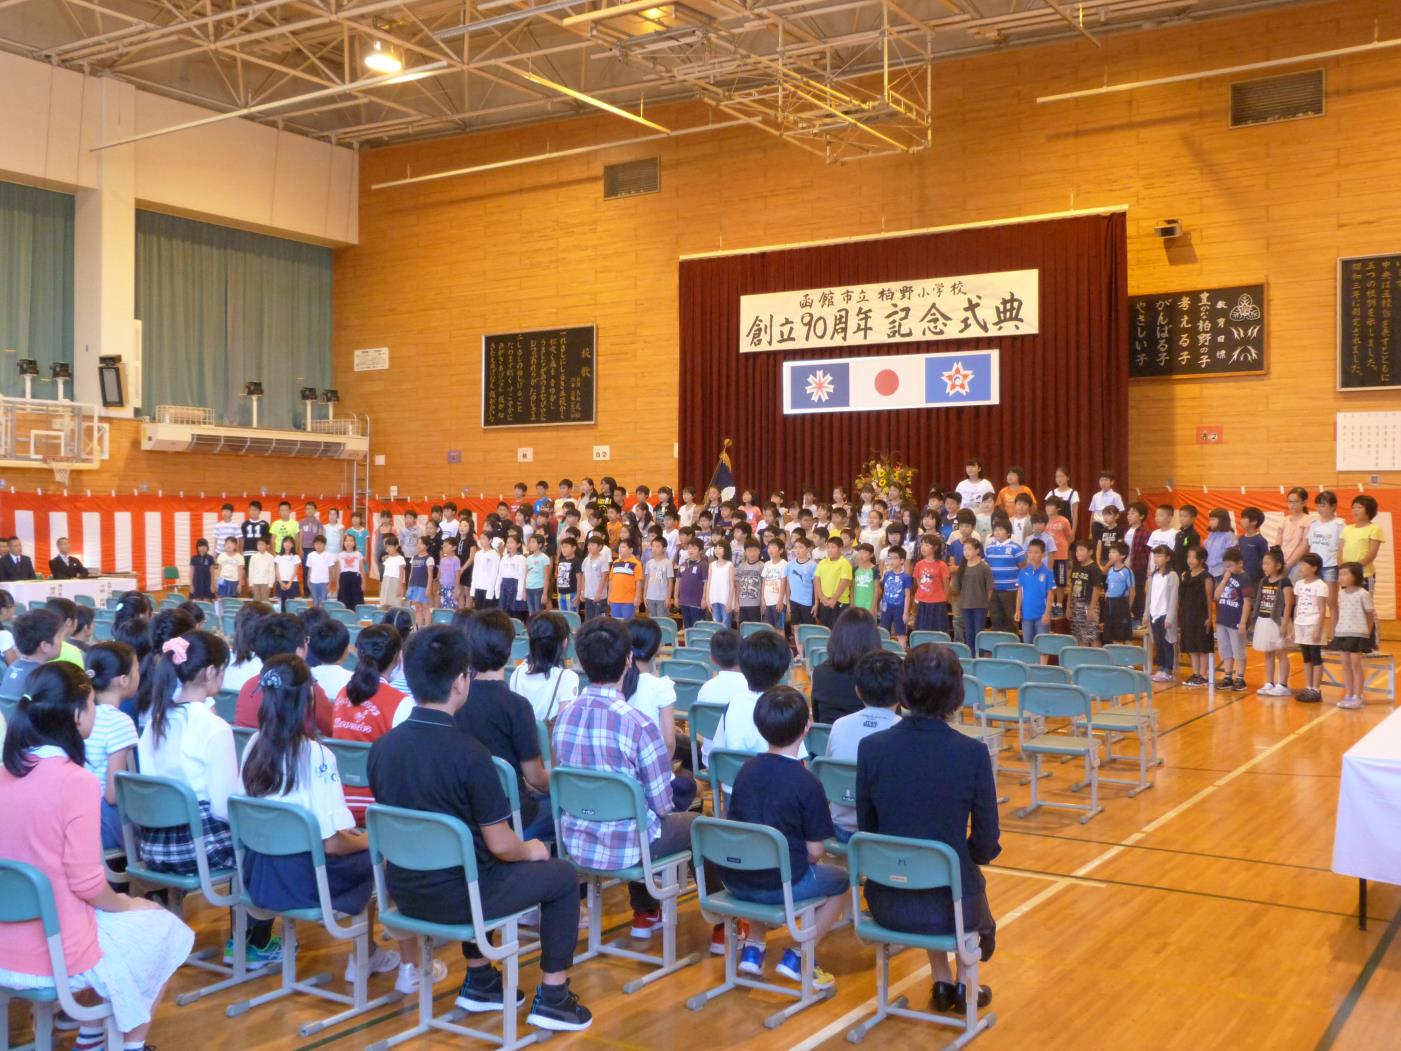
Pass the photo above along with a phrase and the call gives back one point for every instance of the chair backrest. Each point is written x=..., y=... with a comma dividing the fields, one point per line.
x=368, y=611
x=701, y=630
x=687, y=671
x=739, y=845
x=443, y=616
x=25, y=895
x=975, y=694
x=1126, y=655
x=1021, y=652
x=545, y=739
x=1047, y=673
x=816, y=739
x=904, y=864
x=227, y=621
x=698, y=654
x=705, y=717
x=838, y=777
x=148, y=801
x=350, y=618
x=297, y=605
x=1050, y=643
x=596, y=795
x=1105, y=682
x=274, y=827
x=686, y=694
x=575, y=621
x=225, y=701
x=420, y=841
x=803, y=632
x=998, y=674
x=892, y=646
x=668, y=629
x=520, y=648
x=242, y=735
x=753, y=627
x=987, y=640
x=352, y=760
x=724, y=765
x=506, y=775
x=85, y=600
x=816, y=655
x=521, y=630
x=961, y=650
x=919, y=638
x=1073, y=657
x=1054, y=701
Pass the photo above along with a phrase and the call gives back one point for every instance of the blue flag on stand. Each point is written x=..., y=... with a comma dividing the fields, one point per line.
x=724, y=476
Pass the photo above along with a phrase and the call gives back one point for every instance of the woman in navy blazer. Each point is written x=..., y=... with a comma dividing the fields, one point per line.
x=922, y=779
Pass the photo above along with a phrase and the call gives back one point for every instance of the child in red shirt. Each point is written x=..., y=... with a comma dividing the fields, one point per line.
x=931, y=586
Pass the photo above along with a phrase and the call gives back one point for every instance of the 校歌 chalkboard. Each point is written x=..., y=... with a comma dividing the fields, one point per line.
x=1203, y=333
x=1368, y=339
x=539, y=378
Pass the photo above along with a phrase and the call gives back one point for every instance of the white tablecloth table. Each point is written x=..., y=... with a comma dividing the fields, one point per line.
x=27, y=591
x=1367, y=837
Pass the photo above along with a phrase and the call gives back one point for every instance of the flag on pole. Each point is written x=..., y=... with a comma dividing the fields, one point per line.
x=724, y=476
x=901, y=381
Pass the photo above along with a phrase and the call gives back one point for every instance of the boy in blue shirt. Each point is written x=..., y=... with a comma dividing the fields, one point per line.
x=895, y=596
x=1118, y=594
x=1035, y=582
x=801, y=570
x=1004, y=557
x=775, y=789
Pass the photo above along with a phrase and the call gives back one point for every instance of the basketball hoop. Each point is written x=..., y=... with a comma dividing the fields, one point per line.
x=61, y=470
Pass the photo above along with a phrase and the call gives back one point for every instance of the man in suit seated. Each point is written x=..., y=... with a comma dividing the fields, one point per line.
x=64, y=566
x=16, y=564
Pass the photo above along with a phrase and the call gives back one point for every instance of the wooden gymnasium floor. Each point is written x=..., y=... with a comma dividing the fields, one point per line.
x=1200, y=914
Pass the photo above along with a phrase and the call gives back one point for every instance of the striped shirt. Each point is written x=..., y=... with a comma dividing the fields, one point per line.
x=1004, y=558
x=223, y=531
x=112, y=731
x=601, y=731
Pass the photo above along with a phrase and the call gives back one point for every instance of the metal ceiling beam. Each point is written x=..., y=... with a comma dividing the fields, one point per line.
x=1075, y=23
x=136, y=35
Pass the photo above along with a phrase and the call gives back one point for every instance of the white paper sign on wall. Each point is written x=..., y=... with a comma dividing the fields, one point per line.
x=371, y=359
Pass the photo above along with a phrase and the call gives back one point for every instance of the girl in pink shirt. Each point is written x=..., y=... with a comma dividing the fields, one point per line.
x=124, y=949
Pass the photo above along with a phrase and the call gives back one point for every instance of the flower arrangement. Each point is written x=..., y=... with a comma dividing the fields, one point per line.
x=882, y=472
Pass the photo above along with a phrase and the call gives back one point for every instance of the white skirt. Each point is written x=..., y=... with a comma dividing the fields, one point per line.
x=1267, y=638
x=141, y=949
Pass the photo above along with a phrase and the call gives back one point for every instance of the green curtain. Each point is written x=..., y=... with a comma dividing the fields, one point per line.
x=36, y=282
x=220, y=307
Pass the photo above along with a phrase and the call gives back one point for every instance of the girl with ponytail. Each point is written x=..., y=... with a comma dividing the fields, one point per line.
x=166, y=625
x=115, y=675
x=365, y=707
x=123, y=948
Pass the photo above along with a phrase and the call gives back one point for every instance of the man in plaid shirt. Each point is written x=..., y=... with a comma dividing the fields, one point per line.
x=600, y=730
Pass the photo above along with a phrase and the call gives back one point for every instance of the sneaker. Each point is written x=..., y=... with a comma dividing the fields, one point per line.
x=646, y=924
x=1351, y=703
x=409, y=977
x=791, y=967
x=717, y=937
x=1308, y=696
x=1223, y=682
x=270, y=953
x=562, y=1013
x=1162, y=676
x=484, y=990
x=1194, y=682
x=751, y=959
x=1238, y=685
x=382, y=961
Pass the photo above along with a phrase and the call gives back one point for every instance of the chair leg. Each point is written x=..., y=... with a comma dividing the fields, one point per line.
x=1092, y=775
x=698, y=1001
x=1034, y=764
x=237, y=974
x=669, y=962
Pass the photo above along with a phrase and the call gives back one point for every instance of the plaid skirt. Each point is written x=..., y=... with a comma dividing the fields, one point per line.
x=172, y=850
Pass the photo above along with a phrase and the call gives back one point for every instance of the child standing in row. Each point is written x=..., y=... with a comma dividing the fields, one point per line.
x=511, y=577
x=319, y=565
x=661, y=576
x=1035, y=585
x=897, y=594
x=1232, y=616
x=288, y=565
x=720, y=596
x=1311, y=603
x=1160, y=612
x=1118, y=595
x=1086, y=591
x=1274, y=608
x=537, y=573
x=202, y=572
x=1354, y=620
x=391, y=572
x=749, y=582
x=230, y=569
x=775, y=580
x=350, y=561
x=1196, y=594
x=449, y=574
x=420, y=582
x=974, y=581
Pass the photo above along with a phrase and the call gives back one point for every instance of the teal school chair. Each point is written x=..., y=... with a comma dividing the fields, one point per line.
x=1047, y=673
x=919, y=638
x=575, y=622
x=544, y=739
x=348, y=617
x=685, y=671
x=737, y=845
x=975, y=702
x=884, y=633
x=838, y=778
x=242, y=735
x=753, y=627
x=144, y=801
x=424, y=842
x=225, y=702
x=668, y=626
x=724, y=765
x=352, y=761
x=699, y=633
x=987, y=640
x=1021, y=652
x=520, y=649
x=280, y=829
x=226, y=622
x=27, y=895
x=86, y=600
x=604, y=795
x=698, y=654
x=913, y=864
x=704, y=719
x=1041, y=701
x=1050, y=644
x=998, y=678
x=298, y=605
x=521, y=630
x=442, y=616
x=803, y=632
x=1137, y=719
x=816, y=739
x=816, y=656
x=686, y=695
x=368, y=611
x=893, y=646
x=1073, y=657
x=960, y=650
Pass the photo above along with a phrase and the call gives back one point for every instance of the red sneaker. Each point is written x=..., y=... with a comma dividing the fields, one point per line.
x=645, y=924
x=717, y=937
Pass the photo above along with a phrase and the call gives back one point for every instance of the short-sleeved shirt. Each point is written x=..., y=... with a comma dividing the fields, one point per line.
x=1035, y=582
x=894, y=587
x=1325, y=538
x=350, y=561
x=393, y=567
x=505, y=723
x=308, y=529
x=537, y=567
x=776, y=790
x=974, y=583
x=567, y=572
x=1252, y=552
x=288, y=566
x=931, y=580
x=318, y=567
x=847, y=733
x=1058, y=526
x=1004, y=557
x=800, y=577
x=427, y=763
x=1084, y=580
x=690, y=582
x=622, y=580
x=16, y=677
x=1230, y=601
x=1310, y=600
x=230, y=566
x=863, y=586
x=1353, y=607
x=1270, y=599
x=112, y=731
x=317, y=789
x=749, y=583
x=252, y=530
x=659, y=572
x=1357, y=544
x=831, y=572
x=774, y=575
x=1118, y=582
x=282, y=528
x=653, y=694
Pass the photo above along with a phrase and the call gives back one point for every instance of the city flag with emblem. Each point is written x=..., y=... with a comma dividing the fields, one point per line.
x=902, y=381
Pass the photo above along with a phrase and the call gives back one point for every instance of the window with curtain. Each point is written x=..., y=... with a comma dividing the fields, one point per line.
x=36, y=282
x=220, y=307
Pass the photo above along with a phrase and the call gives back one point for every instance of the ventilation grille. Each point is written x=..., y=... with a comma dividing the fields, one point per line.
x=1270, y=99
x=632, y=178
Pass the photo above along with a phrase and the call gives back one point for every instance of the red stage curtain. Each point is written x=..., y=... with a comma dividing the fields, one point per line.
x=1064, y=390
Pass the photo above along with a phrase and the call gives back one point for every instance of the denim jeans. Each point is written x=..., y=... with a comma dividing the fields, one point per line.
x=974, y=621
x=719, y=613
x=318, y=593
x=534, y=599
x=1031, y=629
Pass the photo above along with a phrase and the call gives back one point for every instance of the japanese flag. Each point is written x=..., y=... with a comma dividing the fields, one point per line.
x=887, y=382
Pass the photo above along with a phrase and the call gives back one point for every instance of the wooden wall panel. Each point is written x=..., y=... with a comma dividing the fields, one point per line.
x=441, y=263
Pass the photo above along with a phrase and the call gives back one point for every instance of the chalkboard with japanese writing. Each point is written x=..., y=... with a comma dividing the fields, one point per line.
x=1369, y=340
x=1204, y=333
x=544, y=377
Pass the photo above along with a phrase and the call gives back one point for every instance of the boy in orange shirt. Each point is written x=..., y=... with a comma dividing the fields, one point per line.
x=625, y=582
x=1016, y=486
x=1059, y=529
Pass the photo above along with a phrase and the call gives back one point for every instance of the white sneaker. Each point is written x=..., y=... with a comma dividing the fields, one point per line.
x=408, y=980
x=382, y=961
x=1351, y=703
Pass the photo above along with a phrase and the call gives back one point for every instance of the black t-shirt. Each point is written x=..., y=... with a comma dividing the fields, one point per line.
x=833, y=693
x=1084, y=580
x=567, y=572
x=426, y=763
x=252, y=531
x=1184, y=541
x=778, y=791
x=505, y=723
x=1106, y=537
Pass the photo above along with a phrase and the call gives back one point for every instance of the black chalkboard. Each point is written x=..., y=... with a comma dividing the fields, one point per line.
x=1369, y=339
x=539, y=378
x=1202, y=333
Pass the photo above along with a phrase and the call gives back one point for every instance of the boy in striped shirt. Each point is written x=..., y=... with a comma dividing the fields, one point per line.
x=1004, y=557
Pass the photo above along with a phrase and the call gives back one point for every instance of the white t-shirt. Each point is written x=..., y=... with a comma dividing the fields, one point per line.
x=874, y=537
x=198, y=749
x=318, y=567
x=972, y=492
x=1070, y=496
x=393, y=567
x=287, y=567
x=1104, y=498
x=724, y=687
x=350, y=561
x=652, y=695
x=331, y=678
x=7, y=642
x=318, y=788
x=774, y=574
x=261, y=569
x=230, y=566
x=547, y=694
x=1325, y=538
x=1310, y=600
x=737, y=732
x=1162, y=537
x=333, y=532
x=112, y=731
x=722, y=579
x=237, y=674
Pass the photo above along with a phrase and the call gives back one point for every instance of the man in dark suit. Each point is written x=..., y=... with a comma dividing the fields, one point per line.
x=64, y=566
x=16, y=565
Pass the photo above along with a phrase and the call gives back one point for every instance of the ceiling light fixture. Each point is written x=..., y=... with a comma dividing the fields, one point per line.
x=383, y=58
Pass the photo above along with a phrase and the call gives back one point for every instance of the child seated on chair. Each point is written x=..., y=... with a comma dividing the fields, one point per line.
x=775, y=789
x=655, y=697
x=728, y=682
x=878, y=686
